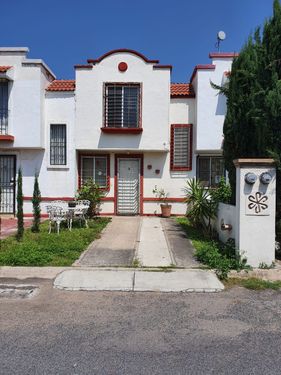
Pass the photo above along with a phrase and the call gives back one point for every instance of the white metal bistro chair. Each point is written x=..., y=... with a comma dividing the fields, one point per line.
x=79, y=212
x=56, y=216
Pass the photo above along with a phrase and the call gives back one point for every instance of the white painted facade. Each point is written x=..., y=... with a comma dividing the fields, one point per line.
x=33, y=108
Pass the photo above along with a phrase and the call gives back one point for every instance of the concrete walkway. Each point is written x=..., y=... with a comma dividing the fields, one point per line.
x=138, y=281
x=153, y=250
x=117, y=244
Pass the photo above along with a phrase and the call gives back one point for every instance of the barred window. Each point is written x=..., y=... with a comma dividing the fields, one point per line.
x=94, y=168
x=122, y=105
x=58, y=144
x=210, y=169
x=181, y=147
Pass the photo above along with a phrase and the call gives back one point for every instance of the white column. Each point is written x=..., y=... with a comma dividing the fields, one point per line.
x=255, y=205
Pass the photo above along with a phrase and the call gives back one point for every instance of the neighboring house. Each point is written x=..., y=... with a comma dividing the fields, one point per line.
x=121, y=122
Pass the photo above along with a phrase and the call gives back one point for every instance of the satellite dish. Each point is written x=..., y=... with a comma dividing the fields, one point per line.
x=221, y=35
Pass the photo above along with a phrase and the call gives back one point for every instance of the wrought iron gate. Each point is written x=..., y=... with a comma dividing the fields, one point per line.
x=7, y=183
x=128, y=186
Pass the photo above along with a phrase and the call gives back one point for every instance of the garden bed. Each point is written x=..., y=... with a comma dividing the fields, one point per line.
x=43, y=249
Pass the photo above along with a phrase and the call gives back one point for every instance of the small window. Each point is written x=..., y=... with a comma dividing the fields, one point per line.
x=58, y=144
x=3, y=106
x=210, y=169
x=94, y=168
x=181, y=147
x=122, y=105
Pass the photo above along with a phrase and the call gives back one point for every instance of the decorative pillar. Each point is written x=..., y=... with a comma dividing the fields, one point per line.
x=255, y=205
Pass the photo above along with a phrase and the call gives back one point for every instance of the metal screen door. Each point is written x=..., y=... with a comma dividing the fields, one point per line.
x=7, y=183
x=128, y=186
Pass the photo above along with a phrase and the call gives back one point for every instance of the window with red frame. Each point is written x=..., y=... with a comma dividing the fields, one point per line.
x=122, y=105
x=94, y=168
x=181, y=147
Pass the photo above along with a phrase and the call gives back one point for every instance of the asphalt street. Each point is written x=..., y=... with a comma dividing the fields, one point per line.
x=61, y=332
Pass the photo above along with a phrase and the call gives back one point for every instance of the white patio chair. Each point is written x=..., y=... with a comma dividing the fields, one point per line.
x=56, y=216
x=80, y=212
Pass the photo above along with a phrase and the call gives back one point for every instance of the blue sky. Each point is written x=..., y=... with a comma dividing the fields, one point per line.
x=179, y=32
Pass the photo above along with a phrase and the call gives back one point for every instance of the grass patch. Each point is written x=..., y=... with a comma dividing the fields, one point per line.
x=43, y=249
x=253, y=283
x=218, y=256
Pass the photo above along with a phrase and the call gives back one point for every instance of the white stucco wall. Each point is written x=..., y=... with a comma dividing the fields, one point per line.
x=227, y=215
x=154, y=106
x=210, y=106
x=26, y=101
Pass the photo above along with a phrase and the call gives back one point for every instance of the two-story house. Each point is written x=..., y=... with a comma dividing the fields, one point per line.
x=120, y=122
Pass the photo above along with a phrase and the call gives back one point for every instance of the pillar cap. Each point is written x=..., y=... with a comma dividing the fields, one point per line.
x=253, y=162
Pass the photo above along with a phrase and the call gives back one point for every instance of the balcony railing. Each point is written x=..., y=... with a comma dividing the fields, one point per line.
x=4, y=114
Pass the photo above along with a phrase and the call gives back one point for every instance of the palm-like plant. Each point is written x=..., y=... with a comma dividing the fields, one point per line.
x=201, y=208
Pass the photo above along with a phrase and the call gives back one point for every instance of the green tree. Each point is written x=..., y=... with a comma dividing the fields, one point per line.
x=252, y=126
x=36, y=200
x=20, y=206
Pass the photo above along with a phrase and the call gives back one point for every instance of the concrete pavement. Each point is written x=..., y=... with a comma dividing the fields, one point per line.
x=139, y=280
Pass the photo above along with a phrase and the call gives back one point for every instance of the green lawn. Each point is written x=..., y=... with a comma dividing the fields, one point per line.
x=43, y=249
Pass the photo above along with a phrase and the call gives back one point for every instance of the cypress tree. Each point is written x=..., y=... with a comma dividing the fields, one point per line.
x=20, y=206
x=36, y=199
x=252, y=126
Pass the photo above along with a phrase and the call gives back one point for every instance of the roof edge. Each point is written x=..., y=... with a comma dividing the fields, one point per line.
x=223, y=55
x=14, y=49
x=201, y=67
x=39, y=62
x=122, y=50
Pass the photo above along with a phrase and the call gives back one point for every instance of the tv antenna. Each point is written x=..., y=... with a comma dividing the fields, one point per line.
x=220, y=37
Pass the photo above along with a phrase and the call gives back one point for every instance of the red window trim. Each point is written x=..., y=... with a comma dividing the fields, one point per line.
x=7, y=138
x=107, y=188
x=172, y=166
x=105, y=128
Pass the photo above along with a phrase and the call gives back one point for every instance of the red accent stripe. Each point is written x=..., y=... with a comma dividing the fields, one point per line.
x=173, y=200
x=31, y=215
x=163, y=67
x=122, y=130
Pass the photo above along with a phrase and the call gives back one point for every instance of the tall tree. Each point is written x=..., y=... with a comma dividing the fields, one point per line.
x=36, y=200
x=20, y=206
x=252, y=123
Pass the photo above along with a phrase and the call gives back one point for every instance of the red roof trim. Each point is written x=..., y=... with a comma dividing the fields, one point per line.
x=202, y=67
x=122, y=50
x=83, y=66
x=223, y=55
x=163, y=67
x=62, y=85
x=3, y=69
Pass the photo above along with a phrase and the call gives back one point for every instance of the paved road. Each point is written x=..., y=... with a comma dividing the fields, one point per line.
x=59, y=332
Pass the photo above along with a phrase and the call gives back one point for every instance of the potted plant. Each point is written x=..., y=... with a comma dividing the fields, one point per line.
x=163, y=197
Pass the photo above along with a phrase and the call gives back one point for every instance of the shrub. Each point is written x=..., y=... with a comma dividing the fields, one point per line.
x=20, y=206
x=222, y=193
x=92, y=192
x=36, y=206
x=201, y=207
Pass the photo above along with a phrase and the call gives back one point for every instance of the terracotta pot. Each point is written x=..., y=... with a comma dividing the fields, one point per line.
x=166, y=210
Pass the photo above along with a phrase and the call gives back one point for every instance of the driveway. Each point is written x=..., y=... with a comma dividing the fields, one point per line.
x=140, y=241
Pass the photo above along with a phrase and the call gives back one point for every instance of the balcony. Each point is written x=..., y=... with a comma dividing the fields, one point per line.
x=4, y=136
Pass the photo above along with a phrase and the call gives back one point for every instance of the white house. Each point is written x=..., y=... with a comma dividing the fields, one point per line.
x=120, y=121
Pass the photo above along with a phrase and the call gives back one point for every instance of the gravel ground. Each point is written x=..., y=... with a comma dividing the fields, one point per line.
x=58, y=332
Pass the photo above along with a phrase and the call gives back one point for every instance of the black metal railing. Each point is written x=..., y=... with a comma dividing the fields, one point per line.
x=4, y=114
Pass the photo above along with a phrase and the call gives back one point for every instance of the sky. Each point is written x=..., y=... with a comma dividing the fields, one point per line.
x=179, y=32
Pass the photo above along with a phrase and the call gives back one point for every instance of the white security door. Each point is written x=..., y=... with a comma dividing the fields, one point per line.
x=128, y=186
